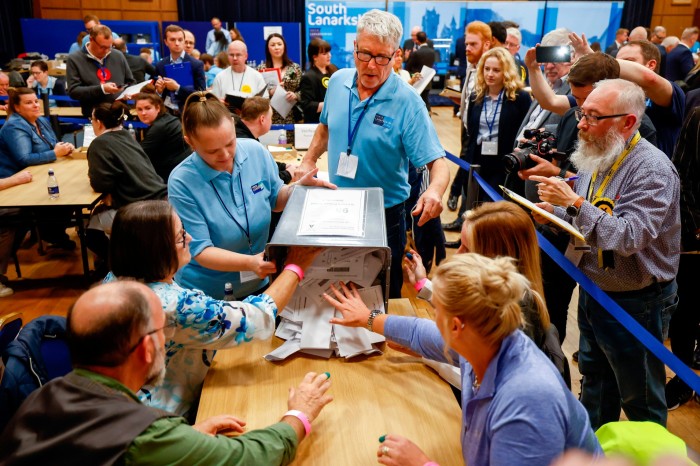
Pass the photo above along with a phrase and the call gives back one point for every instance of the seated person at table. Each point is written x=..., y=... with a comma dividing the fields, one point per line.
x=149, y=244
x=224, y=193
x=117, y=166
x=117, y=334
x=4, y=85
x=7, y=234
x=42, y=83
x=256, y=120
x=162, y=140
x=27, y=139
x=516, y=409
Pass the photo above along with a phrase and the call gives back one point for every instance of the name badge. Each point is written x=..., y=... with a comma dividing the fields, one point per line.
x=489, y=147
x=385, y=121
x=575, y=251
x=347, y=165
x=248, y=276
x=257, y=187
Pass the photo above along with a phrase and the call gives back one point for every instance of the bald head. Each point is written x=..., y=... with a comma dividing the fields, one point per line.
x=120, y=45
x=106, y=321
x=638, y=33
x=237, y=55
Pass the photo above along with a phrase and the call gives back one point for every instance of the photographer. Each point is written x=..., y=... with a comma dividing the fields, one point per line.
x=588, y=70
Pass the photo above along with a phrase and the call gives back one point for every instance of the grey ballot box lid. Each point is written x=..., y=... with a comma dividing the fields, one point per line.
x=375, y=232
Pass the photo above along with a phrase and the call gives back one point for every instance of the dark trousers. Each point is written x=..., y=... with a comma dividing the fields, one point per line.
x=395, y=218
x=558, y=285
x=684, y=323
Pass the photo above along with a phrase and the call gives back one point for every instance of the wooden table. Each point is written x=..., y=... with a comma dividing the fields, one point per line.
x=294, y=157
x=392, y=393
x=75, y=193
x=74, y=112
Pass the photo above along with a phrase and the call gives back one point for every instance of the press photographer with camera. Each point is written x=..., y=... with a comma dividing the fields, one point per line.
x=585, y=72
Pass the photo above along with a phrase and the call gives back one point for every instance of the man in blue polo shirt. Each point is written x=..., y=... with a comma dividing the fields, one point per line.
x=372, y=125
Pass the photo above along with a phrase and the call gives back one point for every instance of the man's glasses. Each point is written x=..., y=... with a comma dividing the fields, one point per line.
x=593, y=120
x=168, y=331
x=380, y=60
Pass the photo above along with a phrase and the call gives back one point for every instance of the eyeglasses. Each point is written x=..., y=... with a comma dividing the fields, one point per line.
x=168, y=330
x=593, y=120
x=380, y=60
x=184, y=238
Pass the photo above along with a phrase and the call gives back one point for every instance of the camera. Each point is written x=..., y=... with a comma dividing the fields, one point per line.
x=543, y=143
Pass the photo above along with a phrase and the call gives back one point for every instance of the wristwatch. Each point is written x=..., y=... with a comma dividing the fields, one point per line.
x=574, y=208
x=370, y=321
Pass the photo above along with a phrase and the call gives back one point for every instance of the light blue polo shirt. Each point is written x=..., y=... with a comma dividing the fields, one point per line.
x=395, y=129
x=208, y=201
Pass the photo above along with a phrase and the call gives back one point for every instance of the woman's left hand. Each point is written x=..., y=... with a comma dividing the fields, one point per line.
x=309, y=180
x=399, y=451
x=291, y=96
x=348, y=302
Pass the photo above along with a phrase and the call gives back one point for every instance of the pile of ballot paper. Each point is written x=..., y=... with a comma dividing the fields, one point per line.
x=305, y=322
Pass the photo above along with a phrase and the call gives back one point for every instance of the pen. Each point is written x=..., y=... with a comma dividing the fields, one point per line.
x=571, y=178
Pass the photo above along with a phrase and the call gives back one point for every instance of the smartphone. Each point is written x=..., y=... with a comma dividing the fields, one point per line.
x=553, y=54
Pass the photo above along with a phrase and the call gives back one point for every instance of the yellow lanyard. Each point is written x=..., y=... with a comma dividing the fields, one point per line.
x=611, y=173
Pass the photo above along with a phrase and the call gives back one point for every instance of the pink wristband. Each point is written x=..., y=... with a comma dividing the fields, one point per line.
x=420, y=284
x=296, y=269
x=302, y=417
x=431, y=463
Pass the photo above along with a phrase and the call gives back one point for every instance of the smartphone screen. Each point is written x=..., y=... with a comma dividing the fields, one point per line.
x=553, y=54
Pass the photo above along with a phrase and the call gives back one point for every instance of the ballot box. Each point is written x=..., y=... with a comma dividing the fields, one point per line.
x=348, y=223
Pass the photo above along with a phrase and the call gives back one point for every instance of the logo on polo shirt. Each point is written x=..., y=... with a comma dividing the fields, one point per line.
x=385, y=121
x=257, y=187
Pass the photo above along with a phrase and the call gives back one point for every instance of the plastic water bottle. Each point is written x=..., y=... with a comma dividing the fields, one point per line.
x=132, y=131
x=282, y=139
x=52, y=185
x=228, y=292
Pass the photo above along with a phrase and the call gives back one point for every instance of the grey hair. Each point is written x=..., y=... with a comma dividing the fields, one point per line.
x=383, y=25
x=515, y=32
x=556, y=37
x=630, y=97
x=670, y=41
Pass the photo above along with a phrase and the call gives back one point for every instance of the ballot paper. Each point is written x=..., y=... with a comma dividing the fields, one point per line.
x=330, y=212
x=426, y=74
x=88, y=135
x=133, y=90
x=305, y=321
x=279, y=102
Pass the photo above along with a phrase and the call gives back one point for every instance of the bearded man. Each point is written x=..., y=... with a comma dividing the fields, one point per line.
x=626, y=205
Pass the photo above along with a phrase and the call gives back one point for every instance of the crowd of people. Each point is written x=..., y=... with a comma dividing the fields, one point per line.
x=190, y=208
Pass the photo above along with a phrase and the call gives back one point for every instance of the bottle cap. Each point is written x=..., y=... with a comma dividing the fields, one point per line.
x=50, y=171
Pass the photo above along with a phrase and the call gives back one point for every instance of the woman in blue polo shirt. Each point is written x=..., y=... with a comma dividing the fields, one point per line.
x=224, y=193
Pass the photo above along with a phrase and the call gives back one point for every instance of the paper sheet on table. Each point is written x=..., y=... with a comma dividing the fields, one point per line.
x=133, y=90
x=316, y=330
x=353, y=341
x=333, y=212
x=566, y=226
x=279, y=102
x=281, y=353
x=426, y=77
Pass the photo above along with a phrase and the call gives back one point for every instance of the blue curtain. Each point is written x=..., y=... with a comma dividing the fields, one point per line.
x=11, y=42
x=637, y=13
x=242, y=10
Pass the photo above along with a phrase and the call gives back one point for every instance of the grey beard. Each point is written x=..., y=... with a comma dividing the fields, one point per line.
x=599, y=154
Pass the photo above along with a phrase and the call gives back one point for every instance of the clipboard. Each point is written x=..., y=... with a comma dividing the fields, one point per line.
x=180, y=72
x=234, y=103
x=569, y=228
